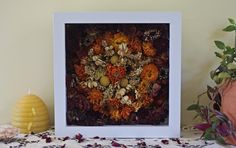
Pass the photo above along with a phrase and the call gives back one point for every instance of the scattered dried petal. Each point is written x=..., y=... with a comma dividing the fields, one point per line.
x=165, y=141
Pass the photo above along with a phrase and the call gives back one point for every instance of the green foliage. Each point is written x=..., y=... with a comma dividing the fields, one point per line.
x=231, y=21
x=220, y=140
x=209, y=134
x=227, y=54
x=231, y=27
x=193, y=107
x=220, y=44
x=215, y=124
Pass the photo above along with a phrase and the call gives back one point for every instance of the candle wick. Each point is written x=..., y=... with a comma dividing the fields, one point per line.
x=29, y=92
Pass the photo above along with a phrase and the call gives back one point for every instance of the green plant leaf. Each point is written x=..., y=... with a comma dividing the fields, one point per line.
x=215, y=123
x=220, y=44
x=212, y=74
x=231, y=66
x=231, y=20
x=209, y=134
x=220, y=140
x=230, y=28
x=229, y=50
x=193, y=107
x=223, y=75
x=217, y=79
x=229, y=59
x=219, y=55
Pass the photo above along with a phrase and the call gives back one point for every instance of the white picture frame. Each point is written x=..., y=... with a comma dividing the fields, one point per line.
x=118, y=131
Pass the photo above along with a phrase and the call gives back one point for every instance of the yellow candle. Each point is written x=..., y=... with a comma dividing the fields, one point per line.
x=30, y=114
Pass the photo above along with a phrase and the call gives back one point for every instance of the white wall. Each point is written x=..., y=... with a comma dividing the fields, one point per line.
x=26, y=43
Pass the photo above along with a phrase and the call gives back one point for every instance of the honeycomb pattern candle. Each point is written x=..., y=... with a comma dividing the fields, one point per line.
x=30, y=114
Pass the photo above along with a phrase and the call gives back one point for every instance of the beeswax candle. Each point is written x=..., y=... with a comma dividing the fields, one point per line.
x=30, y=114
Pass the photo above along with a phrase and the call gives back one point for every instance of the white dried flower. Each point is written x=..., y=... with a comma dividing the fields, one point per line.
x=128, y=87
x=120, y=93
x=108, y=93
x=100, y=62
x=8, y=131
x=89, y=84
x=89, y=70
x=136, y=72
x=137, y=95
x=123, y=49
x=126, y=100
x=107, y=48
x=138, y=56
x=83, y=84
x=104, y=43
x=84, y=61
x=144, y=62
x=90, y=52
x=95, y=58
x=95, y=84
x=109, y=51
x=123, y=61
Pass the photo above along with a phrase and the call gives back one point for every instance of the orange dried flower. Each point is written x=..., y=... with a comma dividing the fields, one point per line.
x=97, y=107
x=95, y=96
x=125, y=112
x=115, y=73
x=137, y=106
x=146, y=100
x=143, y=86
x=135, y=45
x=148, y=49
x=118, y=39
x=114, y=103
x=97, y=47
x=80, y=71
x=116, y=115
x=108, y=37
x=150, y=72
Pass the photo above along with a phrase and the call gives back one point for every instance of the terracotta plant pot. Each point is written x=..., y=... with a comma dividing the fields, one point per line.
x=228, y=104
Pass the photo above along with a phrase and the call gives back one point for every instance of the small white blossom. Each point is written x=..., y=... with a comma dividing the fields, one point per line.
x=126, y=100
x=120, y=93
x=128, y=87
x=95, y=58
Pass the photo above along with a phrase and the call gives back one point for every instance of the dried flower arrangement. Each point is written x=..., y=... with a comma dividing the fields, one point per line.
x=117, y=74
x=219, y=116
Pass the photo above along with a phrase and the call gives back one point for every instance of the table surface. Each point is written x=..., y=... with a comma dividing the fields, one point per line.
x=190, y=138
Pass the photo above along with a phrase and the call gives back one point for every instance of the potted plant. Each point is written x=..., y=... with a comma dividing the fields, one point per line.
x=219, y=116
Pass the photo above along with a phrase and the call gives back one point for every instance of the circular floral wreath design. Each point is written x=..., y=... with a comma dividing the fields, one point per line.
x=119, y=77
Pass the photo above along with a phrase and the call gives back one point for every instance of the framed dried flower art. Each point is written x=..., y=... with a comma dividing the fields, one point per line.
x=117, y=74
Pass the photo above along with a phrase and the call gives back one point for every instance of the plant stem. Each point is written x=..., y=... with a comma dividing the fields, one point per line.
x=235, y=40
x=199, y=96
